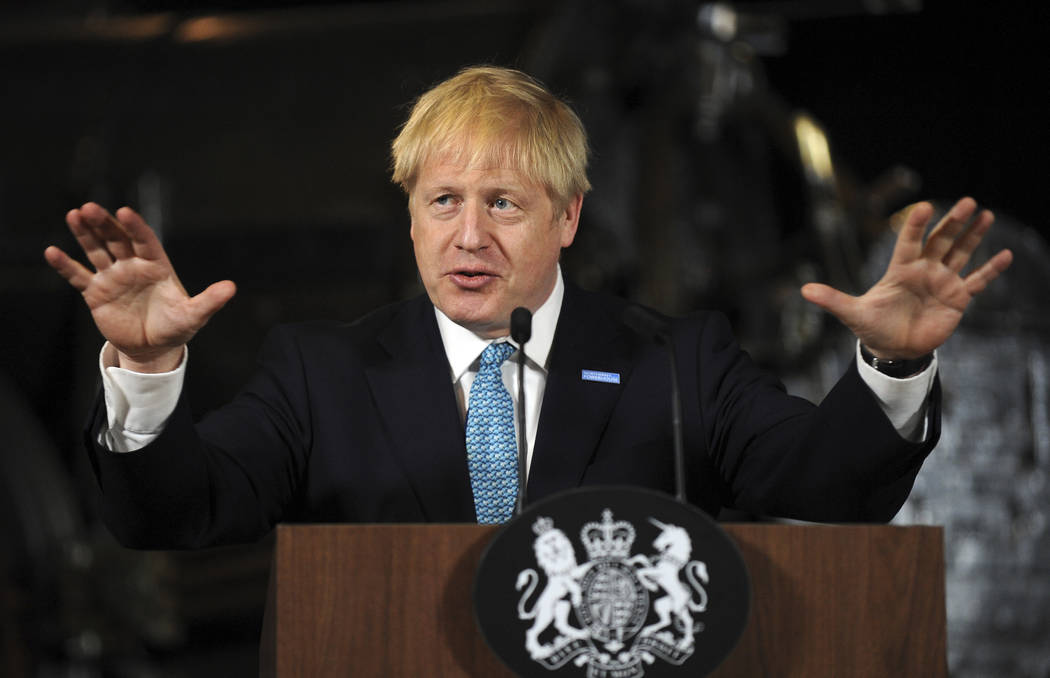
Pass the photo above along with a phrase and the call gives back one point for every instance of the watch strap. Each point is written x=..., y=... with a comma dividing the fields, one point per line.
x=898, y=369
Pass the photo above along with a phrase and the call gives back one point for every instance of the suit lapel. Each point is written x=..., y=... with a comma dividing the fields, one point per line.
x=414, y=397
x=575, y=411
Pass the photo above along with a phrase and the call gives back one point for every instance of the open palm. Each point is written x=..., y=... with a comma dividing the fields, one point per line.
x=134, y=295
x=921, y=298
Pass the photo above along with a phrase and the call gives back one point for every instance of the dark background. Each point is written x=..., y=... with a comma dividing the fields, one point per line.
x=254, y=137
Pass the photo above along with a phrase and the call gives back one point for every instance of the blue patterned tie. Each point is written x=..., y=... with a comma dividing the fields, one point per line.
x=492, y=453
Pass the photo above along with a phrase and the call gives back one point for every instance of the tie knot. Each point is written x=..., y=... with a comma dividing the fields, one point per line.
x=495, y=354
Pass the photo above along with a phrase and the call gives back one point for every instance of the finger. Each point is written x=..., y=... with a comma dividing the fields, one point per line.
x=964, y=246
x=943, y=235
x=838, y=304
x=208, y=302
x=144, y=240
x=909, y=240
x=93, y=247
x=979, y=279
x=72, y=270
x=107, y=230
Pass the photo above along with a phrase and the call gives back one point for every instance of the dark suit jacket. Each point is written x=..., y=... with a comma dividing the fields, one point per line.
x=358, y=422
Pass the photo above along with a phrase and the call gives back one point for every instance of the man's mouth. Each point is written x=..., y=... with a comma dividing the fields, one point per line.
x=471, y=278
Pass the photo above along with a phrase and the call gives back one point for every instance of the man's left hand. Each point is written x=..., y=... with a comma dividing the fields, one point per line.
x=921, y=298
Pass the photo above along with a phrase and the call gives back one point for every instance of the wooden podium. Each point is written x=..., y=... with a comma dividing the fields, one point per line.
x=395, y=600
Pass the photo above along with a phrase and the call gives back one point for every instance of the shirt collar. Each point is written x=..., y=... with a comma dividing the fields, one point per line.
x=462, y=347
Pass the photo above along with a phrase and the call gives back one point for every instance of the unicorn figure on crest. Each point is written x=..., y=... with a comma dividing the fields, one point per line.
x=674, y=548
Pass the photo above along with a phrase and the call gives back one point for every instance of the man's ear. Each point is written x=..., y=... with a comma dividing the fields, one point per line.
x=411, y=219
x=569, y=219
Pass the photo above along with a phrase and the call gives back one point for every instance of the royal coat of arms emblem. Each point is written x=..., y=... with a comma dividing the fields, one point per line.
x=594, y=613
x=611, y=582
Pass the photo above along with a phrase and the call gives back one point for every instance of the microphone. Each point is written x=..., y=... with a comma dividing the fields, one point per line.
x=650, y=326
x=521, y=332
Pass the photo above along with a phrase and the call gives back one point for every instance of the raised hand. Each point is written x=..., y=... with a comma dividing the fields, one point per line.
x=134, y=296
x=921, y=298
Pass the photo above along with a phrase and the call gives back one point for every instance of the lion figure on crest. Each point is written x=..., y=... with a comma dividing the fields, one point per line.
x=555, y=555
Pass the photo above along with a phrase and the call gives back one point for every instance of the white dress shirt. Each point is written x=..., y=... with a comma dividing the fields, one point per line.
x=464, y=349
x=138, y=405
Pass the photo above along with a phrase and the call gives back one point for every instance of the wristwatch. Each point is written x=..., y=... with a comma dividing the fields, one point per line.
x=898, y=369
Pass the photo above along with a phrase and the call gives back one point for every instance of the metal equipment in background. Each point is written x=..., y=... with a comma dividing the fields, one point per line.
x=715, y=191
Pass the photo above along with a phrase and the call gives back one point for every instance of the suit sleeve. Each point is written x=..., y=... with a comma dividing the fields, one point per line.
x=779, y=455
x=227, y=479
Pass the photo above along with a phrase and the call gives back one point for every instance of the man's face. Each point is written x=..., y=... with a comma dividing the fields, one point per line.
x=486, y=242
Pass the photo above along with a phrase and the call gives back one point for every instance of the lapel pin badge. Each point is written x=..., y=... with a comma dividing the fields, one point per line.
x=605, y=377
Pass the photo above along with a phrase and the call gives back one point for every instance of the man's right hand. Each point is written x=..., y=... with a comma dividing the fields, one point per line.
x=134, y=296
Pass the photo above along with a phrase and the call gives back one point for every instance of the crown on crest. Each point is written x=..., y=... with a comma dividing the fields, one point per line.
x=607, y=539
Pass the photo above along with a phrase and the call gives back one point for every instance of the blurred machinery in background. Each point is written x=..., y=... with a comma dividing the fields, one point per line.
x=714, y=191
x=74, y=603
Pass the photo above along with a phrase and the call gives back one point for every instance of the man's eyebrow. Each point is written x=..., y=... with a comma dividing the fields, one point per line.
x=506, y=187
x=440, y=189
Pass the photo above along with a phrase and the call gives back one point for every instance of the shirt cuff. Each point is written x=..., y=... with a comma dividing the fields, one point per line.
x=138, y=405
x=903, y=400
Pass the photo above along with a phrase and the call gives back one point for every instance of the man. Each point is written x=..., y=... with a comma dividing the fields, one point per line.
x=365, y=421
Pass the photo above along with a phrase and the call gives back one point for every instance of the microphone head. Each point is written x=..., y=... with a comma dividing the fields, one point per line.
x=645, y=323
x=521, y=325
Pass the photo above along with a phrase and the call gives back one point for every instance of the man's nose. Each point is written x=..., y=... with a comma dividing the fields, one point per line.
x=473, y=234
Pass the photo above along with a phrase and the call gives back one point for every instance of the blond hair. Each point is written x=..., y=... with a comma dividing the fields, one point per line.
x=488, y=116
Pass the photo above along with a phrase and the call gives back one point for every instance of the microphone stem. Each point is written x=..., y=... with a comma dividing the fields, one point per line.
x=520, y=332
x=523, y=450
x=676, y=425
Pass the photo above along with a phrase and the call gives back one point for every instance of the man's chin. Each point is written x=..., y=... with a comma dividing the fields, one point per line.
x=479, y=321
